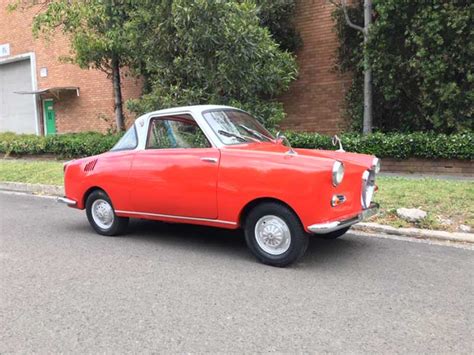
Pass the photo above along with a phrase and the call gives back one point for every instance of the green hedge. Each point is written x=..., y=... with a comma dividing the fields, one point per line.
x=421, y=55
x=395, y=145
x=383, y=145
x=64, y=146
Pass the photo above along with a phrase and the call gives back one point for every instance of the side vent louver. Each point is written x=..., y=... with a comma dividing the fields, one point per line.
x=90, y=165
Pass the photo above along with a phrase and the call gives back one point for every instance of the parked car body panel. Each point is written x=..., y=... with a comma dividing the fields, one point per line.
x=175, y=182
x=213, y=186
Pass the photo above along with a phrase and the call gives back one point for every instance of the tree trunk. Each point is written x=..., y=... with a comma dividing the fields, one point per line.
x=118, y=105
x=367, y=123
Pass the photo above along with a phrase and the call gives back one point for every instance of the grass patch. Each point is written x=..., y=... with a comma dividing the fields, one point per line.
x=47, y=172
x=447, y=199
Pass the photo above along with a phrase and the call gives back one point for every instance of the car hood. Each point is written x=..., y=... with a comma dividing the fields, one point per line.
x=363, y=160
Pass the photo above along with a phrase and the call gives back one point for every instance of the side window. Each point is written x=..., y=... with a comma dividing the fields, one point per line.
x=166, y=133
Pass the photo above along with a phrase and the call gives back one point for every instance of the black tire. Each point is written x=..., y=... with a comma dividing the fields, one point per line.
x=299, y=239
x=335, y=234
x=119, y=224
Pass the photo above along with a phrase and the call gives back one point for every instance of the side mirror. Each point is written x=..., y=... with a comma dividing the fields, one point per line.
x=337, y=141
x=281, y=139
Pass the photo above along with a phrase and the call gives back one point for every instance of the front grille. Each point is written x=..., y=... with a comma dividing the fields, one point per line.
x=368, y=188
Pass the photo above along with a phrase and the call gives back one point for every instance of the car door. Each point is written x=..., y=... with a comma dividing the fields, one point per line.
x=176, y=174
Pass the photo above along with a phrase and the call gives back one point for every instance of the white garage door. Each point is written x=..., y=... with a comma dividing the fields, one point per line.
x=17, y=112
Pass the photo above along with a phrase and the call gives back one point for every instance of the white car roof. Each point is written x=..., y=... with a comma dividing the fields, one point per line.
x=141, y=123
x=196, y=109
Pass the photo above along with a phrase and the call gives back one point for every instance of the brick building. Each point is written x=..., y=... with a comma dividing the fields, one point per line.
x=315, y=100
x=43, y=95
x=40, y=94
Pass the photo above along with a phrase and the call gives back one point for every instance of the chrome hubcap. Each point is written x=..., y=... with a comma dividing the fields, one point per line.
x=272, y=235
x=102, y=213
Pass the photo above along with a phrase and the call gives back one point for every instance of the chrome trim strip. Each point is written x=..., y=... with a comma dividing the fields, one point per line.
x=66, y=201
x=328, y=227
x=177, y=217
x=376, y=165
x=368, y=188
x=209, y=160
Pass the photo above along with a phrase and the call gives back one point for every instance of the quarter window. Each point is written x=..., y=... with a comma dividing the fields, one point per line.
x=168, y=133
x=129, y=140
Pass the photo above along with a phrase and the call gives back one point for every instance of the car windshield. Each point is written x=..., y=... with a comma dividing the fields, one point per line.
x=236, y=127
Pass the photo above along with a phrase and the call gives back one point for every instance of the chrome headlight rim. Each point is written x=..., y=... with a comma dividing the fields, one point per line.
x=376, y=165
x=337, y=173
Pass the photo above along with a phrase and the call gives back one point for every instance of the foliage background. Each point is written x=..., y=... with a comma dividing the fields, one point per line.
x=235, y=52
x=391, y=145
x=421, y=55
x=212, y=52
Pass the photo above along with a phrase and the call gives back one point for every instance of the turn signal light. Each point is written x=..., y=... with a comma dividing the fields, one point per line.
x=338, y=200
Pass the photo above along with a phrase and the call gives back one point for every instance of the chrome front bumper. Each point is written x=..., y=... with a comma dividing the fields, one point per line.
x=66, y=201
x=328, y=227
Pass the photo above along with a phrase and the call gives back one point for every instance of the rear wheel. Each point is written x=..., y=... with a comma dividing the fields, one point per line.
x=335, y=234
x=101, y=215
x=274, y=234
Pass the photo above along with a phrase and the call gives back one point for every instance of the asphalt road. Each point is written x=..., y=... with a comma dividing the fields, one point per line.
x=175, y=288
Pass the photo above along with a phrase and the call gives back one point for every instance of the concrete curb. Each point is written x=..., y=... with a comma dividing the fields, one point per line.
x=415, y=232
x=53, y=190
x=37, y=189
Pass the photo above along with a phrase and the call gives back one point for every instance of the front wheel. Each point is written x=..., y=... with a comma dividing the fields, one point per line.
x=274, y=234
x=101, y=215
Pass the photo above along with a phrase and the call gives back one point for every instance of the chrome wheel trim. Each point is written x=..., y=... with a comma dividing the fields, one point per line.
x=102, y=213
x=273, y=235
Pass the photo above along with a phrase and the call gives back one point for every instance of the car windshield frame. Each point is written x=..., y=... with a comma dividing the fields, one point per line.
x=241, y=136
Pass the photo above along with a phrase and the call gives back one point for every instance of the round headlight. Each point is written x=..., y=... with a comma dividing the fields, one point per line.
x=337, y=173
x=376, y=165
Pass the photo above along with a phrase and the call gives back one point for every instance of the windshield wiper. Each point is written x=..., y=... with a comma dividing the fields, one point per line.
x=229, y=134
x=255, y=133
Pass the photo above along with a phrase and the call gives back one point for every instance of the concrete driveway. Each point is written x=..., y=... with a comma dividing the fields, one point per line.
x=175, y=288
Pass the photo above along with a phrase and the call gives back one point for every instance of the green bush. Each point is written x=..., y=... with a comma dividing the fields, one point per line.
x=71, y=145
x=421, y=55
x=394, y=145
x=383, y=145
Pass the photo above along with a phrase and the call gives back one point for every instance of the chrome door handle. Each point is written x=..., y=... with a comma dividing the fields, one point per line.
x=209, y=160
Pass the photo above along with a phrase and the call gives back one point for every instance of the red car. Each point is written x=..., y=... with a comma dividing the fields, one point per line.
x=218, y=166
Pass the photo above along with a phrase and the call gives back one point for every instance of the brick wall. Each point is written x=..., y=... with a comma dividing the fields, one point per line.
x=424, y=166
x=73, y=114
x=315, y=101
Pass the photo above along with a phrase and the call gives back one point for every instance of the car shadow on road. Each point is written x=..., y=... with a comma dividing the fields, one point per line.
x=184, y=237
x=231, y=243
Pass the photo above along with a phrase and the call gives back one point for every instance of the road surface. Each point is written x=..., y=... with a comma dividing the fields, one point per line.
x=175, y=288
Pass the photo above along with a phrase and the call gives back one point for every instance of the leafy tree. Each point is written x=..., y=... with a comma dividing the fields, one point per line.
x=367, y=121
x=97, y=34
x=199, y=52
x=421, y=56
x=278, y=16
